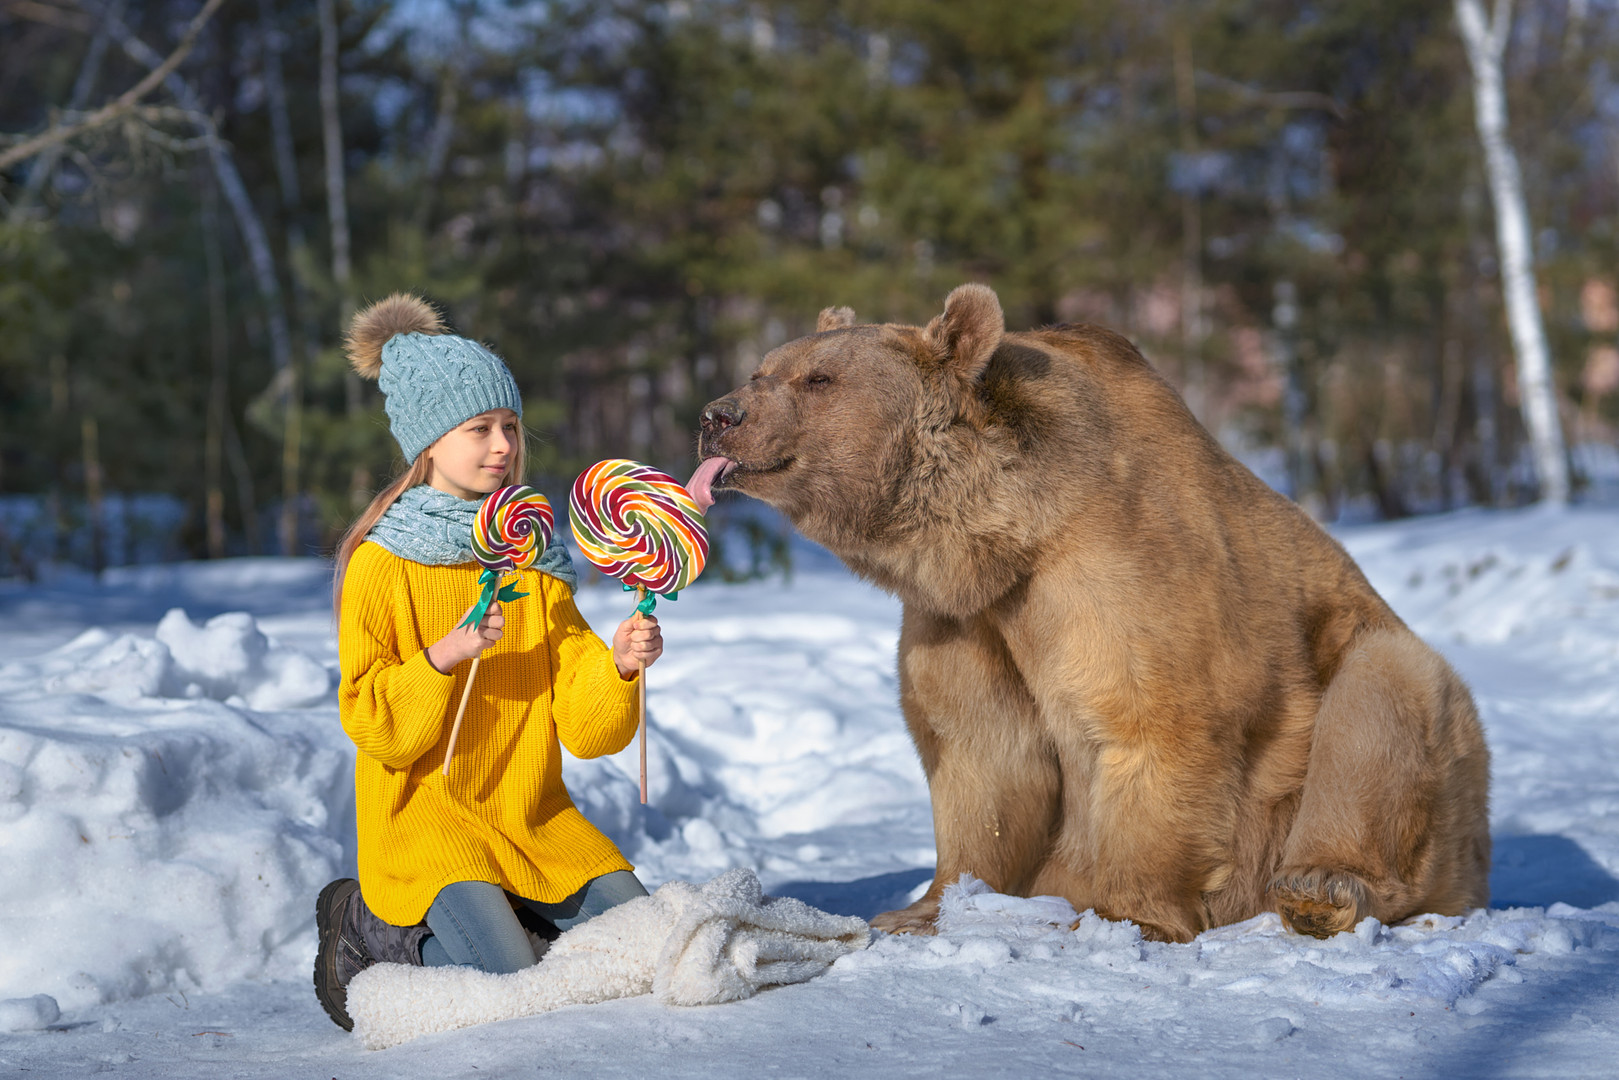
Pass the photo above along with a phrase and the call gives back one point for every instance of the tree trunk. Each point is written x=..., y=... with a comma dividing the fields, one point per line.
x=1192, y=329
x=236, y=458
x=304, y=355
x=1301, y=472
x=90, y=445
x=260, y=261
x=291, y=441
x=331, y=123
x=1447, y=414
x=1486, y=48
x=275, y=96
x=337, y=213
x=54, y=503
x=213, y=456
x=438, y=147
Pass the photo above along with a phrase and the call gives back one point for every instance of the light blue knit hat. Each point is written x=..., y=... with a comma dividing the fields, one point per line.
x=431, y=380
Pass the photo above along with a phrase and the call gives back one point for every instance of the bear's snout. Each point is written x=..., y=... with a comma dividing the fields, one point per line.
x=722, y=414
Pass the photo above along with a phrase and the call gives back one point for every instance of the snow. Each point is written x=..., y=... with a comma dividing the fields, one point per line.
x=175, y=788
x=29, y=1014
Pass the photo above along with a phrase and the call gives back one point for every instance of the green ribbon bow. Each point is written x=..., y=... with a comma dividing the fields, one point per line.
x=650, y=599
x=490, y=580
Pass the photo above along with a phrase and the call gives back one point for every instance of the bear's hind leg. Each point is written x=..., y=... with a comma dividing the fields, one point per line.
x=1393, y=818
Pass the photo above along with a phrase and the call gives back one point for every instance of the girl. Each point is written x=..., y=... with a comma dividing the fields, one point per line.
x=444, y=859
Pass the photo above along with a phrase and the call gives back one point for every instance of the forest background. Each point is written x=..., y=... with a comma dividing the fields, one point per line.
x=1286, y=205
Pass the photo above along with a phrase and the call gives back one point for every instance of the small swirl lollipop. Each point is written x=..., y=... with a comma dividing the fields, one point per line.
x=512, y=528
x=637, y=524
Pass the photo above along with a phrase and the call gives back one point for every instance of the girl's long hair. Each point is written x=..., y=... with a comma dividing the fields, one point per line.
x=417, y=473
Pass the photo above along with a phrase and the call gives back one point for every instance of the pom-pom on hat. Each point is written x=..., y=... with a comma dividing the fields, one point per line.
x=431, y=380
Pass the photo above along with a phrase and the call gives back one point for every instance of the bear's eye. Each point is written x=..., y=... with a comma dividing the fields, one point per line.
x=818, y=382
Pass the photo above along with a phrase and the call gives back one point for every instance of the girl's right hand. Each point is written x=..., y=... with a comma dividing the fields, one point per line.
x=466, y=642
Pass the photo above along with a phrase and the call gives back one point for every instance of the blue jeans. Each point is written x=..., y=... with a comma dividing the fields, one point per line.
x=473, y=922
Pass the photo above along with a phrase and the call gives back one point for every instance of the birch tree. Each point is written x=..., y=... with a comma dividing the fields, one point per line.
x=1486, y=41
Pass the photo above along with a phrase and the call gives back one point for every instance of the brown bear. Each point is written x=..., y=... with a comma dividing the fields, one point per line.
x=1137, y=677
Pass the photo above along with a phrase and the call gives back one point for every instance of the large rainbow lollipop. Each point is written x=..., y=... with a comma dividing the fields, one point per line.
x=512, y=528
x=637, y=524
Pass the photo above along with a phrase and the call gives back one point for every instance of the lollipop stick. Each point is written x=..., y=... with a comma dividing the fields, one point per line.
x=642, y=665
x=455, y=729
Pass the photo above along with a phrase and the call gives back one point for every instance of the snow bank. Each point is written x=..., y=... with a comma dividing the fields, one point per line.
x=29, y=1014
x=171, y=823
x=181, y=791
x=226, y=659
x=1489, y=578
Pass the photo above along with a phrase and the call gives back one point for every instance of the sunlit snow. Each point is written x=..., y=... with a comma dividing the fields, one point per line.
x=175, y=788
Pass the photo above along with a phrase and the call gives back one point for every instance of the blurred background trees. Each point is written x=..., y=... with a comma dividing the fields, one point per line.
x=1285, y=205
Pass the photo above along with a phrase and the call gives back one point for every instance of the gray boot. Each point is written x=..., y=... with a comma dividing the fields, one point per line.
x=351, y=940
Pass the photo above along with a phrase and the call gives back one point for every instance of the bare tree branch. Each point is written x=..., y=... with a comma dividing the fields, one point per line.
x=90, y=70
x=51, y=16
x=151, y=116
x=125, y=102
x=1276, y=99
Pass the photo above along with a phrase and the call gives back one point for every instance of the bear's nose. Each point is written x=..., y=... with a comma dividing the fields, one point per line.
x=722, y=414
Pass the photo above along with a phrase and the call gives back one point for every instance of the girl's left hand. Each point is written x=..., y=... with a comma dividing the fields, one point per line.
x=636, y=641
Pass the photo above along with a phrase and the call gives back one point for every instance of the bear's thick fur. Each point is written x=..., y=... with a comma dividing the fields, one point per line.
x=1137, y=676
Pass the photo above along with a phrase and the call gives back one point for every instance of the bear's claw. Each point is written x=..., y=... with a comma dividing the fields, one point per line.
x=920, y=918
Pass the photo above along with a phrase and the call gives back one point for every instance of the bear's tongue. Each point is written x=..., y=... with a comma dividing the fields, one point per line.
x=701, y=484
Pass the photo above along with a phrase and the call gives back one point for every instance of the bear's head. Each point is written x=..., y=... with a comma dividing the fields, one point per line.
x=843, y=430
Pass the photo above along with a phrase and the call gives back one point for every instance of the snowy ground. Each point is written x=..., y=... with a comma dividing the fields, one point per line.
x=174, y=791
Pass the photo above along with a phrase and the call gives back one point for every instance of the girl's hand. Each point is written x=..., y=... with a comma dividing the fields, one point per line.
x=465, y=642
x=636, y=641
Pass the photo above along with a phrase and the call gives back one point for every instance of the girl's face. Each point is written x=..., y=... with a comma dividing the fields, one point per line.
x=471, y=460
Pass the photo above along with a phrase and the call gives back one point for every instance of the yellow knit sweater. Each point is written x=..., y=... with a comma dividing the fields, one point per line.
x=502, y=815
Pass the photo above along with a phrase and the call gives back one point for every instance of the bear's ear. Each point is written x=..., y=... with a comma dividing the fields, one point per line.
x=834, y=318
x=968, y=332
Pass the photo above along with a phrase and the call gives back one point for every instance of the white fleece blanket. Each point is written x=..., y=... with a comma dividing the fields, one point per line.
x=686, y=944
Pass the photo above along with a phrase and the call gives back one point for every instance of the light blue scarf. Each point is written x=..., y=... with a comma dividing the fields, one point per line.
x=433, y=527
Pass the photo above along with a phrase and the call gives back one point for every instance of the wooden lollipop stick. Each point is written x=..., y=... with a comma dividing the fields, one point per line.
x=641, y=678
x=455, y=729
x=642, y=665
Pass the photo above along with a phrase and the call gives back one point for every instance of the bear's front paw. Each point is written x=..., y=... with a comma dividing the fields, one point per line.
x=919, y=918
